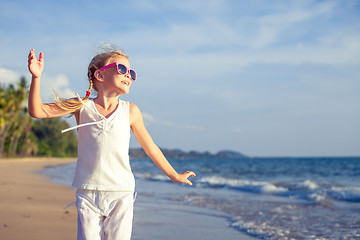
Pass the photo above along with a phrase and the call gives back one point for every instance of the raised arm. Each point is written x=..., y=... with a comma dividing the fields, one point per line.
x=36, y=108
x=152, y=150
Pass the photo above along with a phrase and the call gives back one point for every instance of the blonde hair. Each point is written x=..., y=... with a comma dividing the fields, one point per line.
x=109, y=52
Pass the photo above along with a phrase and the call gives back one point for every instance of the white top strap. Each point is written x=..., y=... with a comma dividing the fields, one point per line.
x=85, y=124
x=81, y=125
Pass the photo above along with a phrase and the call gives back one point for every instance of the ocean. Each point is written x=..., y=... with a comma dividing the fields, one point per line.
x=265, y=198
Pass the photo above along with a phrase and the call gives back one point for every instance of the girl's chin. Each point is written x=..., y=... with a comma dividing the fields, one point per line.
x=123, y=91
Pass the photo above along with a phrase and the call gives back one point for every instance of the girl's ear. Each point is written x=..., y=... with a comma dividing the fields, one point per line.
x=99, y=75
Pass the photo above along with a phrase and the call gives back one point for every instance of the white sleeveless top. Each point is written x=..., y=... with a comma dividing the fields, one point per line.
x=103, y=150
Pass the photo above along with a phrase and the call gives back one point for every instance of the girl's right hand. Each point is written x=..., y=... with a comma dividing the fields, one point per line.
x=35, y=66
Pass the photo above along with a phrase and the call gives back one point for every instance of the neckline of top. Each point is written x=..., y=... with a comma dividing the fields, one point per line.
x=102, y=116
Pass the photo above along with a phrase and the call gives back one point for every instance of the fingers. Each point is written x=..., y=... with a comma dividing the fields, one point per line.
x=33, y=56
x=187, y=175
x=41, y=57
x=190, y=174
x=188, y=183
x=30, y=53
x=30, y=58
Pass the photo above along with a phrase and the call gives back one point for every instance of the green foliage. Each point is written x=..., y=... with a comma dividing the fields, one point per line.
x=51, y=142
x=15, y=123
x=20, y=135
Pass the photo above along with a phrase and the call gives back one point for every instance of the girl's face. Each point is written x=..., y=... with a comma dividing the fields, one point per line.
x=113, y=81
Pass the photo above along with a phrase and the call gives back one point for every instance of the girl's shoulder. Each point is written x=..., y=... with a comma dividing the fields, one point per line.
x=134, y=113
x=133, y=108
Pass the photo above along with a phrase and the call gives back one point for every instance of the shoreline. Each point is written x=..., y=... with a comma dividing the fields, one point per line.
x=30, y=206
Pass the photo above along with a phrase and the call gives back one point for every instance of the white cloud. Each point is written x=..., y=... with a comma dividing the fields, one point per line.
x=59, y=84
x=210, y=42
x=272, y=25
x=238, y=130
x=150, y=119
x=8, y=76
x=237, y=56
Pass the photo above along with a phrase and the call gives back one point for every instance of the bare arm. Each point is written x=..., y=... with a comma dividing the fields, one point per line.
x=36, y=108
x=152, y=150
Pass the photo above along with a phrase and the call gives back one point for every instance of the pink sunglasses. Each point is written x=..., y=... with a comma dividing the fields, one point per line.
x=121, y=69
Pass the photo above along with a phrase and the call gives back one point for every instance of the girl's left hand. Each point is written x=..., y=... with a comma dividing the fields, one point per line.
x=183, y=177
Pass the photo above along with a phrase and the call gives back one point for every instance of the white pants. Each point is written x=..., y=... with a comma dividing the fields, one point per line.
x=104, y=215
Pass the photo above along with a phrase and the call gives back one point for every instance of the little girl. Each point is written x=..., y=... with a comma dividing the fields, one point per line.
x=103, y=177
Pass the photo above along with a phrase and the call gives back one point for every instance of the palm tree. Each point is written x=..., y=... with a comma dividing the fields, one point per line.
x=29, y=147
x=12, y=111
x=7, y=107
x=21, y=135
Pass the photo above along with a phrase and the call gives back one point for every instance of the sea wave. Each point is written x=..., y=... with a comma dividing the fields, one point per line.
x=351, y=194
x=289, y=198
x=153, y=177
x=307, y=190
x=244, y=185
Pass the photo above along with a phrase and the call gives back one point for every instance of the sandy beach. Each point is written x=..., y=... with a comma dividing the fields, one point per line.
x=31, y=207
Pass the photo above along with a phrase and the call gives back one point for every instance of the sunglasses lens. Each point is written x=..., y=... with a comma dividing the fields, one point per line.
x=122, y=69
x=133, y=75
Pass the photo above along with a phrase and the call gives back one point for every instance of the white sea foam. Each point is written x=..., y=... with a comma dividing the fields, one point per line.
x=245, y=185
x=351, y=194
x=307, y=189
x=161, y=177
x=317, y=197
x=257, y=228
x=310, y=184
x=150, y=176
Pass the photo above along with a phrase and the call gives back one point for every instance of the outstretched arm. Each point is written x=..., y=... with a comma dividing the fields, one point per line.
x=152, y=150
x=36, y=108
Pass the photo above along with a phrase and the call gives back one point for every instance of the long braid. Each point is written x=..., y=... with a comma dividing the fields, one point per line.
x=88, y=92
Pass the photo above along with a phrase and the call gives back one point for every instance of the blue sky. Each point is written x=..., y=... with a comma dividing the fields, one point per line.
x=266, y=78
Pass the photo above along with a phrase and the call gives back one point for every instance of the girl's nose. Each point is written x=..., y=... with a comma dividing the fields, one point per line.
x=127, y=74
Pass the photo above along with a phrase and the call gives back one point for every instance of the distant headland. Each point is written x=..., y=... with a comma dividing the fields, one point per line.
x=138, y=153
